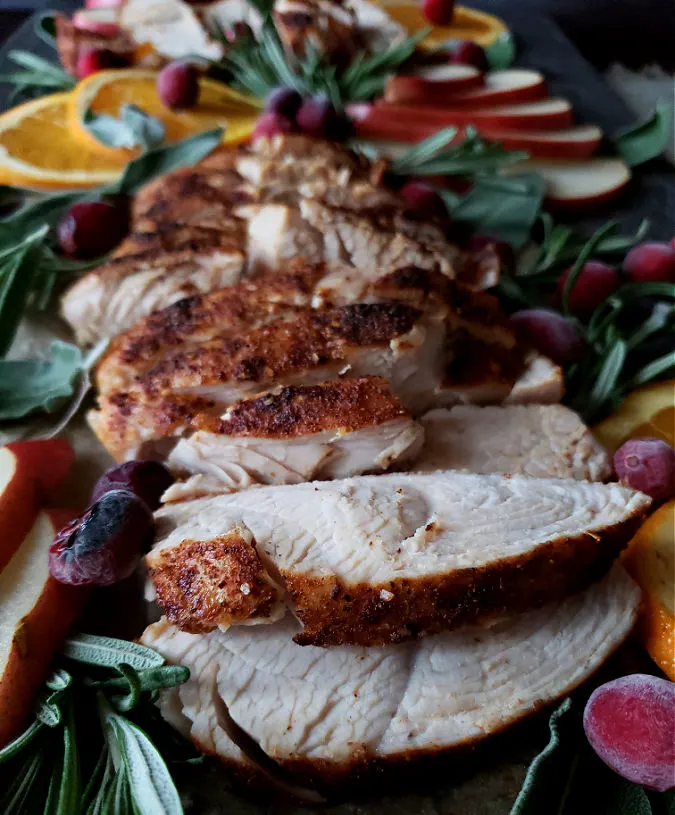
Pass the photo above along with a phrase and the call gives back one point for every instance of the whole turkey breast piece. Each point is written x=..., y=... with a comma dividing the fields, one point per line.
x=376, y=559
x=328, y=712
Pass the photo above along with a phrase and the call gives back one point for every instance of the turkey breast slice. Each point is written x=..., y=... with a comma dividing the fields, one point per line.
x=376, y=559
x=536, y=440
x=329, y=712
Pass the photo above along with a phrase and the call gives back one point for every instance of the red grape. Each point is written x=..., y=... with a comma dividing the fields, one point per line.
x=104, y=545
x=629, y=724
x=93, y=60
x=146, y=479
x=284, y=101
x=317, y=117
x=469, y=53
x=549, y=333
x=270, y=124
x=439, y=12
x=595, y=283
x=422, y=201
x=92, y=228
x=178, y=85
x=647, y=465
x=651, y=263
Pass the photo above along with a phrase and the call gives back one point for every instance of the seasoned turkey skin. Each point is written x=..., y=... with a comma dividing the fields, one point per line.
x=336, y=714
x=537, y=440
x=377, y=559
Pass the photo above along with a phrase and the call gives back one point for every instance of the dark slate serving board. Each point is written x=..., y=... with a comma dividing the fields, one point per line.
x=489, y=783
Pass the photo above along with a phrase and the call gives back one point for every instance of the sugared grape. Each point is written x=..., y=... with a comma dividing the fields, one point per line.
x=146, y=479
x=92, y=60
x=104, y=545
x=439, y=12
x=629, y=724
x=595, y=283
x=647, y=465
x=422, y=201
x=270, y=124
x=92, y=228
x=549, y=333
x=284, y=101
x=469, y=53
x=317, y=117
x=178, y=85
x=651, y=262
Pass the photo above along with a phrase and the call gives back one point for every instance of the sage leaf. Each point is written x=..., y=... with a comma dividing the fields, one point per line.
x=45, y=27
x=69, y=792
x=27, y=386
x=503, y=208
x=647, y=140
x=17, y=275
x=133, y=128
x=109, y=652
x=149, y=679
x=502, y=52
x=164, y=159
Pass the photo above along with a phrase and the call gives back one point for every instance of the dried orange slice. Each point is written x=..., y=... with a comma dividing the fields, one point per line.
x=106, y=92
x=467, y=24
x=649, y=411
x=651, y=561
x=37, y=149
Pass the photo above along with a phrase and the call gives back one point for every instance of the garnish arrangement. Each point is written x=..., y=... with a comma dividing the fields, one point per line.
x=295, y=243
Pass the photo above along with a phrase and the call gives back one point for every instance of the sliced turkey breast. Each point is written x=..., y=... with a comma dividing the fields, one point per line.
x=542, y=382
x=329, y=713
x=277, y=235
x=376, y=559
x=115, y=295
x=537, y=440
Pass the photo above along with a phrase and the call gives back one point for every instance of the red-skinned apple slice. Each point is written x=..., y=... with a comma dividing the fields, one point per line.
x=29, y=471
x=578, y=184
x=549, y=114
x=509, y=87
x=437, y=81
x=36, y=614
x=103, y=3
x=101, y=21
x=573, y=143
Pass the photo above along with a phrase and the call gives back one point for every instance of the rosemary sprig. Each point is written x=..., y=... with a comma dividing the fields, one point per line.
x=90, y=722
x=36, y=77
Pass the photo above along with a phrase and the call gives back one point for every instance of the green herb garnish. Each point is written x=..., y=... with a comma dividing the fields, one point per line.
x=37, y=77
x=94, y=723
x=132, y=128
x=502, y=52
x=647, y=140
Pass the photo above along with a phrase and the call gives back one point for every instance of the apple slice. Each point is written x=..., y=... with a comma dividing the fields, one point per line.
x=36, y=614
x=29, y=470
x=509, y=87
x=100, y=20
x=92, y=4
x=578, y=184
x=549, y=114
x=573, y=142
x=433, y=84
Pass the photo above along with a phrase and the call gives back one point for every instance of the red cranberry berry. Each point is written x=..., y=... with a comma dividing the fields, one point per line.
x=469, y=53
x=595, y=283
x=146, y=479
x=651, y=262
x=178, y=85
x=549, y=333
x=317, y=117
x=271, y=124
x=647, y=465
x=92, y=60
x=92, y=228
x=104, y=545
x=422, y=201
x=438, y=12
x=284, y=101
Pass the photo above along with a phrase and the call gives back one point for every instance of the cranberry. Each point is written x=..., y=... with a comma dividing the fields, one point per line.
x=651, y=262
x=549, y=333
x=629, y=724
x=92, y=228
x=104, y=545
x=318, y=118
x=178, y=85
x=271, y=124
x=92, y=60
x=422, y=201
x=439, y=12
x=146, y=479
x=469, y=53
x=647, y=465
x=284, y=101
x=595, y=283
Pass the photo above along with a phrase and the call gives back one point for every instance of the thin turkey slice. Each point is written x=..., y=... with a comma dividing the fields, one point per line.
x=327, y=713
x=376, y=559
x=537, y=440
x=332, y=430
